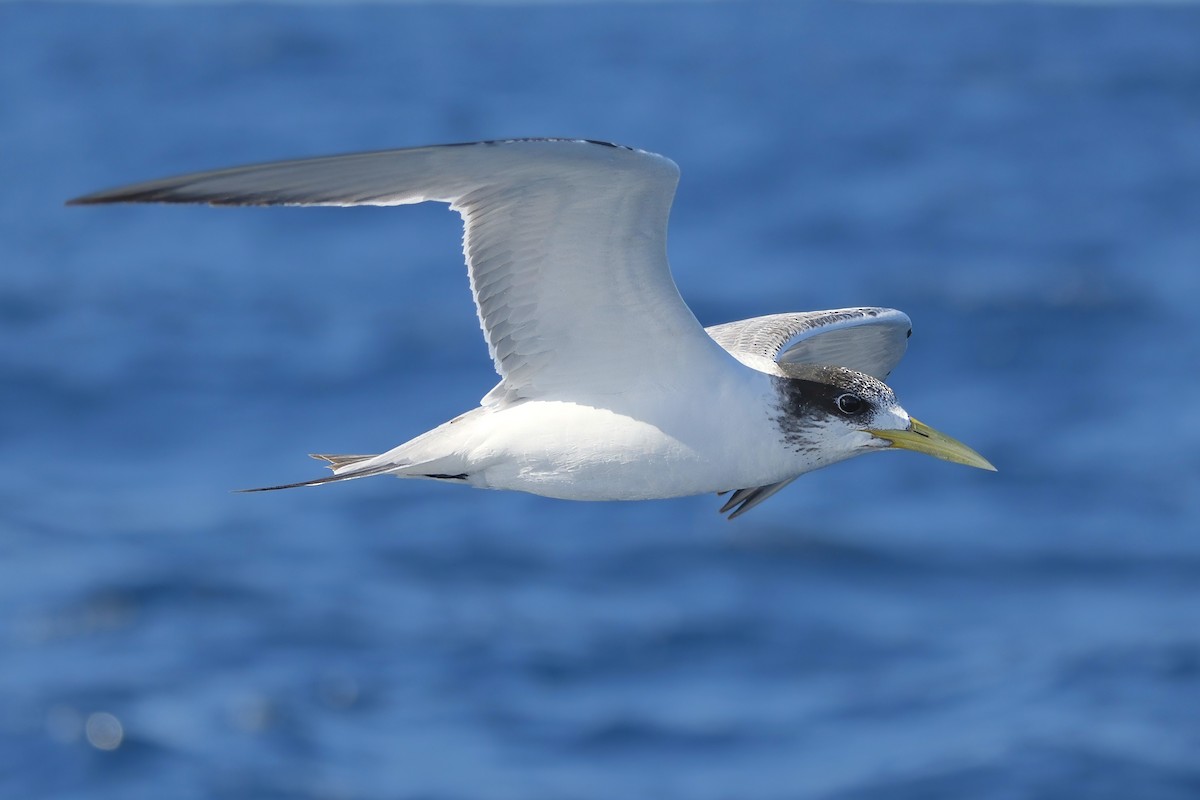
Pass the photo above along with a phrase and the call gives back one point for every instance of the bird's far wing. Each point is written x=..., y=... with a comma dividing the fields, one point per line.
x=870, y=340
x=565, y=243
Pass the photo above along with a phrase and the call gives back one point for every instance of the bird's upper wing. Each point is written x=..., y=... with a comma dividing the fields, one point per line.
x=565, y=244
x=870, y=340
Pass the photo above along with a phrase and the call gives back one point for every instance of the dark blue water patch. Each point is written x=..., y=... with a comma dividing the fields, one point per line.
x=1092, y=774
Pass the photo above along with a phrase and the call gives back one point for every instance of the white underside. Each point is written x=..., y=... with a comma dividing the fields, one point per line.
x=655, y=442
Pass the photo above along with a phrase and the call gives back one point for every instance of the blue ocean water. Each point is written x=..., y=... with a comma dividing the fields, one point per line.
x=1023, y=180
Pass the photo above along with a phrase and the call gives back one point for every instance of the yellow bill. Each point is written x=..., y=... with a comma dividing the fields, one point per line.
x=921, y=438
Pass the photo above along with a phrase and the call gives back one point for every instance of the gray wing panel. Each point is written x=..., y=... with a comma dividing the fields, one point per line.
x=870, y=340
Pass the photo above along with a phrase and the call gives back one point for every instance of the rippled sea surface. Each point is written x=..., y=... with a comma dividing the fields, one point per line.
x=1022, y=180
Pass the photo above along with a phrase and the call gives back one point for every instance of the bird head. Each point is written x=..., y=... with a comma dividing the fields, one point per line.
x=829, y=414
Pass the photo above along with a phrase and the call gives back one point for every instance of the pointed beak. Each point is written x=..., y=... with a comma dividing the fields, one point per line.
x=923, y=439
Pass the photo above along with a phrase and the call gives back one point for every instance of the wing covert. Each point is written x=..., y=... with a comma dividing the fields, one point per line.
x=870, y=340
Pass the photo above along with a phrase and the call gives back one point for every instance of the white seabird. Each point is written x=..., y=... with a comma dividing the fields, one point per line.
x=609, y=387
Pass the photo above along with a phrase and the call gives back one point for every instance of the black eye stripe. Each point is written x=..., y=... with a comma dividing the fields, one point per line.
x=807, y=394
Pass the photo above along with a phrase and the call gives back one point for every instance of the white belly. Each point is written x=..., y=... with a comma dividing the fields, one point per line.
x=666, y=447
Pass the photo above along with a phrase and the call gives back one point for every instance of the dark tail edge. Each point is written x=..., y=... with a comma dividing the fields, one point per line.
x=345, y=476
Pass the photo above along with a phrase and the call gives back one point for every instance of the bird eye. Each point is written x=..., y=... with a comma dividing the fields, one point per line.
x=850, y=403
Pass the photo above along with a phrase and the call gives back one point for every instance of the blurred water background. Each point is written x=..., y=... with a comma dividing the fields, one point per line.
x=1022, y=179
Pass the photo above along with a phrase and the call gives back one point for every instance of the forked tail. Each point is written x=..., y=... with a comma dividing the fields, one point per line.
x=344, y=463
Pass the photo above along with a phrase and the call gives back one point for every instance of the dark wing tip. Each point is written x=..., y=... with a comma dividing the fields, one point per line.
x=157, y=191
x=174, y=194
x=106, y=196
x=138, y=193
x=118, y=196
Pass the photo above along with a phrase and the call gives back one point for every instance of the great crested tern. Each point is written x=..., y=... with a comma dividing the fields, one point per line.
x=609, y=387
